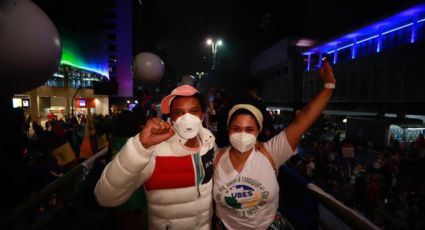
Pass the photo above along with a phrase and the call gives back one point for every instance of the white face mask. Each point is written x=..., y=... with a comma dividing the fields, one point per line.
x=187, y=126
x=242, y=141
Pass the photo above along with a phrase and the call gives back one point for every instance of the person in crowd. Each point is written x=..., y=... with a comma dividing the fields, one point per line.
x=310, y=167
x=173, y=160
x=128, y=215
x=268, y=130
x=246, y=190
x=218, y=104
x=421, y=145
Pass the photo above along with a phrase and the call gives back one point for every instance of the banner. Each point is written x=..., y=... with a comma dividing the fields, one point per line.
x=88, y=146
x=64, y=154
x=102, y=142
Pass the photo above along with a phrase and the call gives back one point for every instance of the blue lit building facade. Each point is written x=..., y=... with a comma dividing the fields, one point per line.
x=84, y=63
x=379, y=68
x=64, y=93
x=77, y=78
x=94, y=67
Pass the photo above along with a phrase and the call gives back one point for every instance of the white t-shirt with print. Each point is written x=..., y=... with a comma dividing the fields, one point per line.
x=249, y=199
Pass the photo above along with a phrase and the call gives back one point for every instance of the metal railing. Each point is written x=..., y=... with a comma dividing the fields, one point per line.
x=59, y=195
x=350, y=217
x=329, y=213
x=45, y=204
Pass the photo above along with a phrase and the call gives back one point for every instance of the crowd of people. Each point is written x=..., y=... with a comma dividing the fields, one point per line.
x=217, y=148
x=383, y=185
x=39, y=141
x=178, y=164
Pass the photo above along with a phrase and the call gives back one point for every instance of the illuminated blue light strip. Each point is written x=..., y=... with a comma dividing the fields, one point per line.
x=400, y=18
x=308, y=62
x=320, y=59
x=344, y=47
x=398, y=28
x=400, y=21
x=379, y=43
x=367, y=39
x=413, y=35
x=335, y=56
x=354, y=49
x=85, y=68
x=307, y=53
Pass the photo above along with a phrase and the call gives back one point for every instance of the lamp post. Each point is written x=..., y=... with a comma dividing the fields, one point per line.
x=200, y=74
x=214, y=46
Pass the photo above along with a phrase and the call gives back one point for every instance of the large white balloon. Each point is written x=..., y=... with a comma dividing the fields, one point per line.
x=30, y=48
x=148, y=67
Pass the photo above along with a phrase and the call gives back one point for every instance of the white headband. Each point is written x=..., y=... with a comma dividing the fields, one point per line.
x=256, y=112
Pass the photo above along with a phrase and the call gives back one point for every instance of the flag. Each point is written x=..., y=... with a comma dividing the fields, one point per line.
x=102, y=142
x=88, y=146
x=64, y=154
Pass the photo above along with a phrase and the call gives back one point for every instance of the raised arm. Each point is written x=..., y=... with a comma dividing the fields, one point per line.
x=309, y=114
x=129, y=169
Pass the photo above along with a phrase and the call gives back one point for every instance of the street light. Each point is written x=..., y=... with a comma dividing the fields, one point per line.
x=214, y=46
x=200, y=74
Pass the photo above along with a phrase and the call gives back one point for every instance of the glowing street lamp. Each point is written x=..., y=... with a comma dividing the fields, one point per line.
x=200, y=74
x=214, y=45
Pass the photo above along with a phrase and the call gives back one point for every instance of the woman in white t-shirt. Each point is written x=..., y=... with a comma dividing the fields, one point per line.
x=246, y=190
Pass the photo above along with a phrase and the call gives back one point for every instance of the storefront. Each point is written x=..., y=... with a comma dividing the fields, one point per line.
x=46, y=101
x=23, y=102
x=406, y=133
x=81, y=106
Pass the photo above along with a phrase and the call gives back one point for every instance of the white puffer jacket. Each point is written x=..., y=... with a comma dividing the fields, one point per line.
x=177, y=181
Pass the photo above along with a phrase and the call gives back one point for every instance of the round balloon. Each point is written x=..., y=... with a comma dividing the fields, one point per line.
x=30, y=46
x=148, y=67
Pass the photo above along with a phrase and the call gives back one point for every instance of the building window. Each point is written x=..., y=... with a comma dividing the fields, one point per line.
x=109, y=4
x=397, y=38
x=388, y=41
x=112, y=59
x=112, y=37
x=330, y=56
x=344, y=54
x=112, y=47
x=109, y=15
x=367, y=47
x=314, y=62
x=285, y=71
x=420, y=31
x=109, y=26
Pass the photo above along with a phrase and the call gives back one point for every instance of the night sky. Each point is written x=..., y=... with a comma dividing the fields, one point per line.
x=177, y=30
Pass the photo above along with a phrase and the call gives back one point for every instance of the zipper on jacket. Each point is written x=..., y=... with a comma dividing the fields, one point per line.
x=199, y=172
